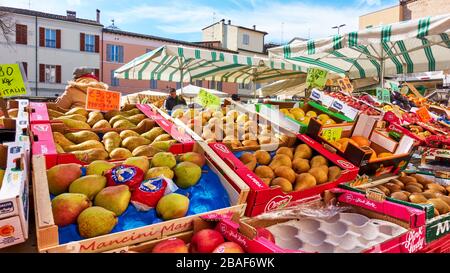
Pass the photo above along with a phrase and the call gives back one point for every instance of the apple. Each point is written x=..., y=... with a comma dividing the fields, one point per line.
x=172, y=245
x=228, y=247
x=265, y=233
x=205, y=241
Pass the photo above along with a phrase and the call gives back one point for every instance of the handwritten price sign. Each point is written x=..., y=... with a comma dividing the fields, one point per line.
x=316, y=78
x=332, y=134
x=208, y=100
x=102, y=100
x=345, y=85
x=11, y=81
x=423, y=114
x=383, y=95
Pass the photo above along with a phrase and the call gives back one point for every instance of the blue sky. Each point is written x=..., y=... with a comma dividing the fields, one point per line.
x=282, y=19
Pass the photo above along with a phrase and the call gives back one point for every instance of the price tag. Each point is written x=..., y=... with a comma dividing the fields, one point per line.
x=383, y=95
x=316, y=78
x=11, y=81
x=345, y=85
x=332, y=134
x=102, y=100
x=208, y=100
x=394, y=87
x=423, y=114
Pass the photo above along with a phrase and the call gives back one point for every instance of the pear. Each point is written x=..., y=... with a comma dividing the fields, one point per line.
x=75, y=124
x=60, y=176
x=96, y=221
x=162, y=137
x=101, y=124
x=127, y=133
x=54, y=114
x=110, y=114
x=164, y=159
x=193, y=157
x=61, y=140
x=94, y=117
x=120, y=153
x=133, y=142
x=136, y=118
x=153, y=133
x=145, y=150
x=91, y=155
x=74, y=117
x=99, y=167
x=77, y=110
x=86, y=145
x=67, y=206
x=158, y=171
x=187, y=174
x=88, y=185
x=116, y=118
x=172, y=206
x=114, y=198
x=82, y=136
x=163, y=145
x=123, y=124
x=59, y=149
x=138, y=161
x=111, y=140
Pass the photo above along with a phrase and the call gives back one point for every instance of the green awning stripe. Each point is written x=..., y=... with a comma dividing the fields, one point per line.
x=283, y=66
x=375, y=63
x=127, y=74
x=311, y=47
x=386, y=32
x=249, y=61
x=287, y=51
x=279, y=75
x=319, y=63
x=227, y=75
x=353, y=39
x=152, y=74
x=212, y=71
x=272, y=64
x=405, y=54
x=142, y=70
x=337, y=42
x=445, y=38
x=245, y=79
x=221, y=57
x=213, y=56
x=362, y=73
x=423, y=27
x=197, y=54
x=235, y=59
x=429, y=54
x=398, y=64
x=180, y=52
x=200, y=66
x=165, y=67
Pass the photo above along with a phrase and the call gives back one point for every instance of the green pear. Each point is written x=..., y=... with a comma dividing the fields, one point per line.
x=158, y=171
x=114, y=198
x=81, y=136
x=187, y=174
x=67, y=206
x=99, y=167
x=172, y=206
x=138, y=161
x=163, y=145
x=60, y=176
x=153, y=133
x=96, y=221
x=164, y=159
x=193, y=157
x=89, y=185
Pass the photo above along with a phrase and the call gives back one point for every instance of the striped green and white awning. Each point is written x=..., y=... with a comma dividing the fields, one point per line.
x=406, y=47
x=183, y=64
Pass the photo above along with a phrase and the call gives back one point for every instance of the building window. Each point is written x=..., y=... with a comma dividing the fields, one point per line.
x=50, y=73
x=114, y=53
x=21, y=34
x=89, y=43
x=219, y=86
x=114, y=80
x=199, y=83
x=245, y=39
x=25, y=68
x=50, y=38
x=178, y=86
x=153, y=84
x=244, y=86
x=212, y=85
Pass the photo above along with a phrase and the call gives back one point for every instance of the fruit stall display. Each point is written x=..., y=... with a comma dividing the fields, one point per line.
x=286, y=174
x=416, y=190
x=123, y=203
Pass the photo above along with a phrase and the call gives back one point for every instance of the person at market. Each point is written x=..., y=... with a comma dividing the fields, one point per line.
x=75, y=92
x=173, y=100
x=235, y=97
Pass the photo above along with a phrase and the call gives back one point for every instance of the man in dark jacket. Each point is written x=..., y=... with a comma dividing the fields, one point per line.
x=173, y=100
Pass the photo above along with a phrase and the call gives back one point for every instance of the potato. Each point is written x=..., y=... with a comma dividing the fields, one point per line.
x=287, y=151
x=319, y=175
x=407, y=179
x=300, y=165
x=412, y=188
x=285, y=172
x=262, y=157
x=440, y=205
x=285, y=185
x=437, y=187
x=304, y=181
x=392, y=187
x=318, y=160
x=397, y=182
x=417, y=198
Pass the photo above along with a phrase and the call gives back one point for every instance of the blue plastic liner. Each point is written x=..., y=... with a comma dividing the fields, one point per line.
x=207, y=195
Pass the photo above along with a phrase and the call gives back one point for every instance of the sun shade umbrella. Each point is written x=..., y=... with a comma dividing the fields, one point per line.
x=193, y=91
x=183, y=64
x=405, y=47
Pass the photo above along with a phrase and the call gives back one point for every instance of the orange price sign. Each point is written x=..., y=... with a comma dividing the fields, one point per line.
x=345, y=85
x=102, y=100
x=423, y=114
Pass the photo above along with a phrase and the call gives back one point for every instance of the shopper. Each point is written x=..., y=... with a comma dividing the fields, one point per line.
x=173, y=100
x=235, y=97
x=75, y=93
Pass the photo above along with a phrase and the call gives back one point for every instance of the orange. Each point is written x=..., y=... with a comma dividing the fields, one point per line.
x=344, y=142
x=387, y=154
x=362, y=141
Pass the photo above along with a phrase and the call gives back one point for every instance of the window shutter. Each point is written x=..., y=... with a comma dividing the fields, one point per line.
x=58, y=38
x=97, y=73
x=21, y=34
x=108, y=53
x=97, y=43
x=41, y=36
x=81, y=41
x=58, y=74
x=25, y=34
x=25, y=68
x=120, y=54
x=41, y=72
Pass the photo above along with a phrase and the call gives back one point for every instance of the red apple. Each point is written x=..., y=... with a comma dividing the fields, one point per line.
x=228, y=247
x=172, y=245
x=205, y=241
x=265, y=233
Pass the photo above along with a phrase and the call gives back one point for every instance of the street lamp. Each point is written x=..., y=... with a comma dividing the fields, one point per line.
x=338, y=27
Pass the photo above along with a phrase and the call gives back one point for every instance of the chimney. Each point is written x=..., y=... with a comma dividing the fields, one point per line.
x=71, y=15
x=98, y=16
x=254, y=27
x=229, y=22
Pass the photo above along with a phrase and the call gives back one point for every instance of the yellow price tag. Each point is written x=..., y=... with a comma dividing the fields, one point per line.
x=208, y=100
x=11, y=81
x=332, y=134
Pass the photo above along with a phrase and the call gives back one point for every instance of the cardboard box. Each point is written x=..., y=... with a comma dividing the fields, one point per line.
x=14, y=159
x=244, y=231
x=47, y=231
x=263, y=198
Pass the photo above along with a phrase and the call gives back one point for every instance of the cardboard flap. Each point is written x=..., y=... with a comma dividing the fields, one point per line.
x=247, y=230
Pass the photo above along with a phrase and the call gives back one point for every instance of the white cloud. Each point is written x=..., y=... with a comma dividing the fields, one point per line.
x=370, y=2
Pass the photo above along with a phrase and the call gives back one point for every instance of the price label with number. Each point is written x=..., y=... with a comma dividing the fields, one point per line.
x=345, y=85
x=102, y=100
x=208, y=100
x=11, y=81
x=332, y=134
x=383, y=95
x=423, y=114
x=316, y=78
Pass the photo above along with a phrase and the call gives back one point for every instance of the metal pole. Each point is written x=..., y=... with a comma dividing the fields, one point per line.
x=381, y=66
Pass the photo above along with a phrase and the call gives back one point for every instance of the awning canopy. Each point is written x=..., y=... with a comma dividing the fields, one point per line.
x=183, y=64
x=193, y=90
x=406, y=47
